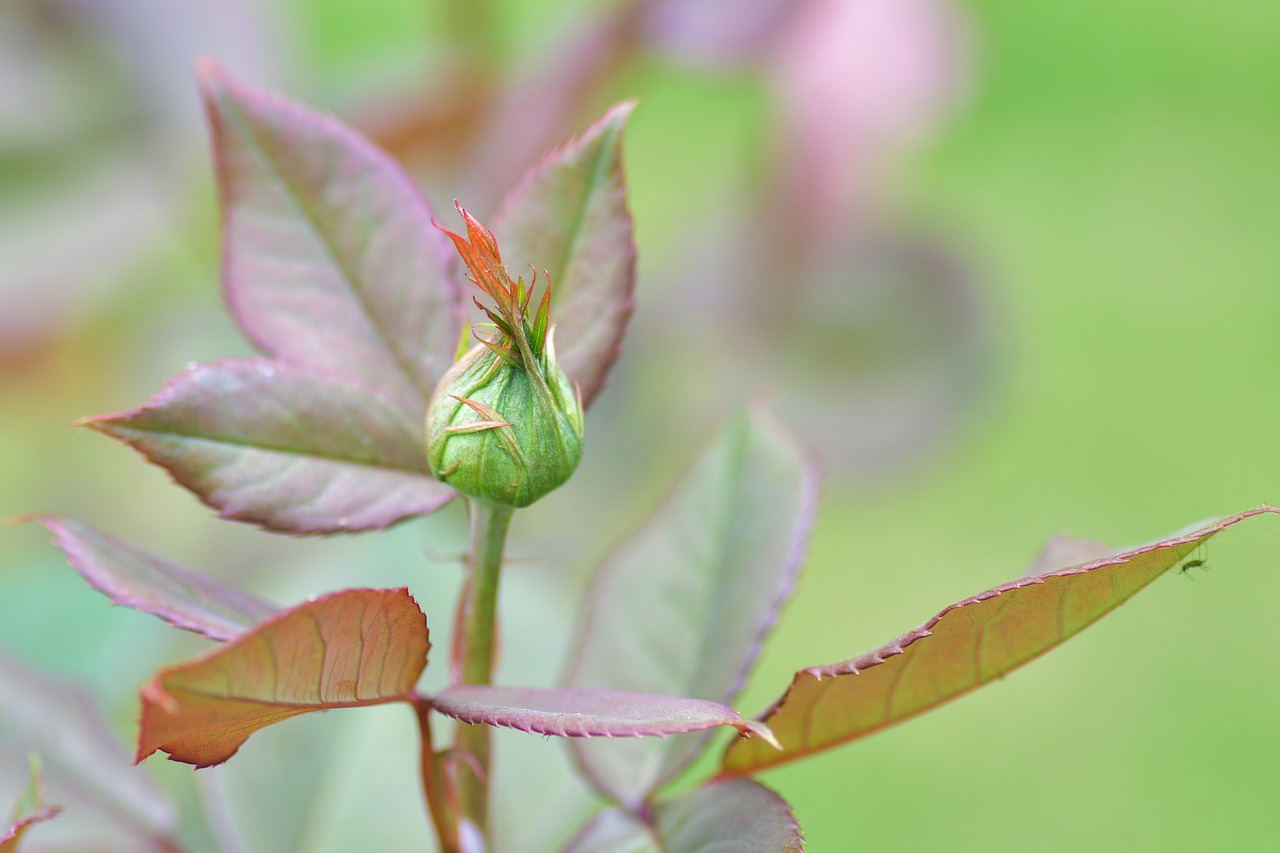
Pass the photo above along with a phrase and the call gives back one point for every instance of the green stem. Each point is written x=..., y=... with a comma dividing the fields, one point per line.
x=435, y=785
x=489, y=526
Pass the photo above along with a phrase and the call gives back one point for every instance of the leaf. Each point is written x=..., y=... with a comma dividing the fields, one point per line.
x=967, y=645
x=85, y=765
x=738, y=815
x=682, y=607
x=10, y=840
x=136, y=579
x=587, y=712
x=350, y=649
x=568, y=216
x=329, y=256
x=31, y=809
x=284, y=447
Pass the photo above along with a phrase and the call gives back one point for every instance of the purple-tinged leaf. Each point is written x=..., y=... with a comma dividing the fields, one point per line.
x=967, y=645
x=350, y=649
x=85, y=767
x=568, y=216
x=329, y=256
x=144, y=582
x=738, y=815
x=284, y=447
x=588, y=712
x=682, y=607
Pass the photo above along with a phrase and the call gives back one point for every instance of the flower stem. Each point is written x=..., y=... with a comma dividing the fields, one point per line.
x=489, y=526
x=435, y=785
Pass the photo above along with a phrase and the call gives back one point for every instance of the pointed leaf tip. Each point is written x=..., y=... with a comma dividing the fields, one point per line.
x=143, y=582
x=291, y=449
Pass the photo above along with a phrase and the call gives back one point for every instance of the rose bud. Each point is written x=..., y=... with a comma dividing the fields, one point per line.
x=505, y=424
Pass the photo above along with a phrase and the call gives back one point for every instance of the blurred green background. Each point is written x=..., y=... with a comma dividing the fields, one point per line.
x=1103, y=181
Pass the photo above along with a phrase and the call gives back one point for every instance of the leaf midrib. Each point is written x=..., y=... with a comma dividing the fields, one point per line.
x=402, y=360
x=269, y=448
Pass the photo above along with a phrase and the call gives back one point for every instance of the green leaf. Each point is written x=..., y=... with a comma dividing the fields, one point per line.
x=738, y=815
x=284, y=447
x=350, y=649
x=681, y=608
x=568, y=216
x=967, y=645
x=330, y=260
x=136, y=579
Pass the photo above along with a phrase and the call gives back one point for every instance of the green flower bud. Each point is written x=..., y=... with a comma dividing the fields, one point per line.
x=505, y=424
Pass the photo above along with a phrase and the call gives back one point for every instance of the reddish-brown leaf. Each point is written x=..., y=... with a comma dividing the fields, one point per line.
x=967, y=645
x=349, y=649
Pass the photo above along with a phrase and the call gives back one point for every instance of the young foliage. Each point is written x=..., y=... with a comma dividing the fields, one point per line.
x=569, y=216
x=335, y=271
x=967, y=645
x=333, y=268
x=133, y=578
x=683, y=606
x=738, y=815
x=330, y=261
x=350, y=649
x=589, y=712
x=288, y=448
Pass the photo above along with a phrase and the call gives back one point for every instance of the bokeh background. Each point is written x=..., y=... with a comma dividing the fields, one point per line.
x=1012, y=268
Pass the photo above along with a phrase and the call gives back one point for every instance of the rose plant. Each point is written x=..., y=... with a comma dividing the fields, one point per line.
x=375, y=401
